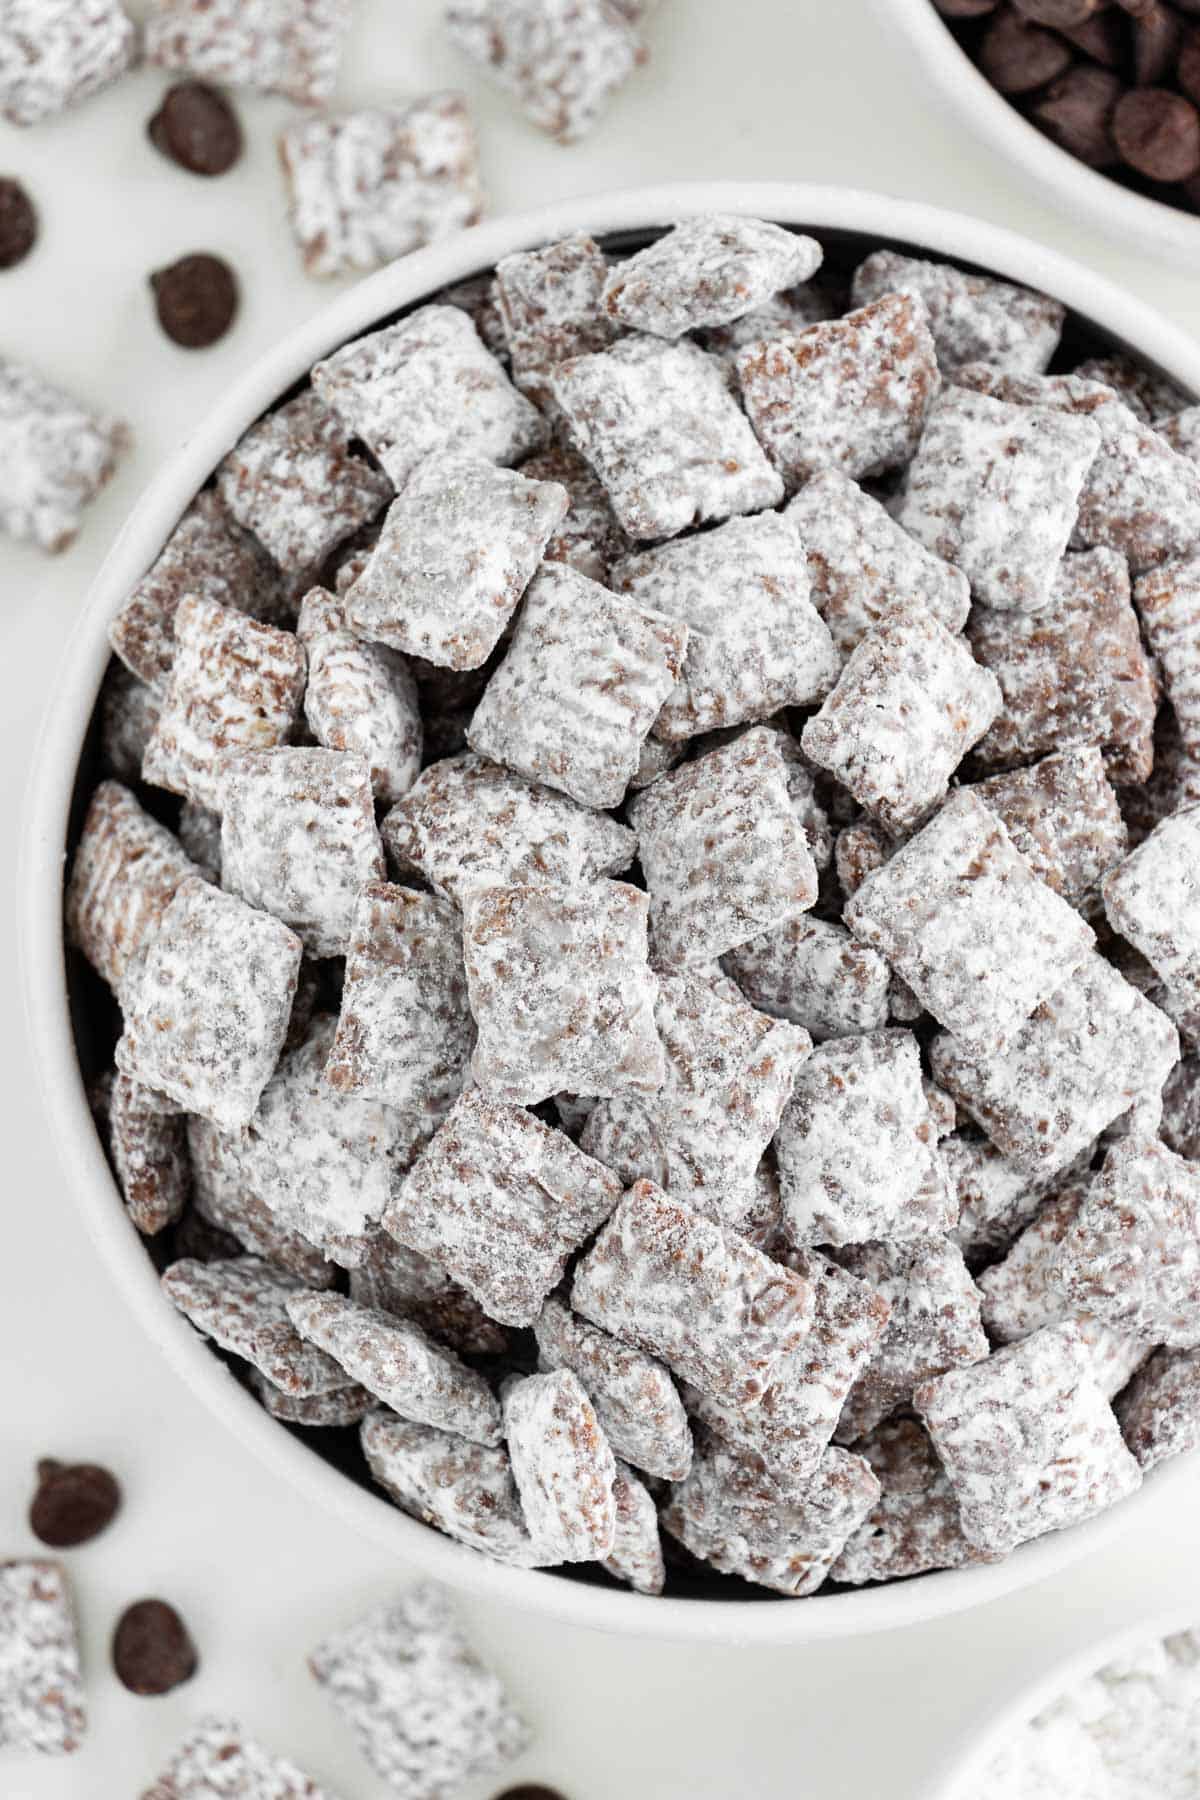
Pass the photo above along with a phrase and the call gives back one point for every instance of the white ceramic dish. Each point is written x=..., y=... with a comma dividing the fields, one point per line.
x=828, y=212
x=1134, y=220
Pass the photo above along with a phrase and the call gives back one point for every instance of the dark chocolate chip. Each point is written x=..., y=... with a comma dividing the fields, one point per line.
x=197, y=128
x=196, y=300
x=18, y=223
x=1158, y=134
x=1058, y=13
x=1137, y=9
x=1156, y=41
x=1076, y=111
x=151, y=1650
x=1188, y=71
x=1103, y=37
x=73, y=1503
x=1018, y=57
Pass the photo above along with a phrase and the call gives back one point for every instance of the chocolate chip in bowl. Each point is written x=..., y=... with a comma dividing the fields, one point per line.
x=601, y=1177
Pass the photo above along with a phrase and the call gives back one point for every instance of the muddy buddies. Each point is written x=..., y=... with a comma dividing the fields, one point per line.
x=645, y=845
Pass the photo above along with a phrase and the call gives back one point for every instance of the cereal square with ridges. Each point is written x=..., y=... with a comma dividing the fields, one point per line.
x=1150, y=396
x=561, y=60
x=217, y=1758
x=563, y=1466
x=288, y=47
x=58, y=453
x=466, y=1490
x=223, y=1201
x=129, y=711
x=1159, y=1412
x=1062, y=815
x=914, y=1525
x=42, y=1707
x=814, y=973
x=150, y=1155
x=707, y=271
x=360, y=697
x=316, y=1412
x=636, y=1555
x=549, y=303
x=783, y=315
x=124, y=874
x=1168, y=604
x=584, y=679
x=55, y=53
x=973, y=318
x=636, y=1401
x=1153, y=899
x=1181, y=1109
x=242, y=1305
x=407, y=1285
x=589, y=538
x=996, y=1196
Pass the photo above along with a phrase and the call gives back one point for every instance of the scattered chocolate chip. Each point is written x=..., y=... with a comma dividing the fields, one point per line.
x=196, y=300
x=197, y=128
x=73, y=1503
x=151, y=1650
x=1158, y=134
x=1076, y=111
x=18, y=223
x=1061, y=14
x=1018, y=57
x=1156, y=41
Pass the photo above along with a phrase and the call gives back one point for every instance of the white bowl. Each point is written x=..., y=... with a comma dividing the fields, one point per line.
x=828, y=212
x=1134, y=220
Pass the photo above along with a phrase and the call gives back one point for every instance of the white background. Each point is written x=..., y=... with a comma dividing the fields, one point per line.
x=789, y=89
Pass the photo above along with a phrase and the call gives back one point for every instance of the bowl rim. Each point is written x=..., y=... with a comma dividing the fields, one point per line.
x=1122, y=214
x=43, y=857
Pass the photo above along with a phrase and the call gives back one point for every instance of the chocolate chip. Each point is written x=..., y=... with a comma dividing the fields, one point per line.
x=151, y=1650
x=530, y=1790
x=1102, y=37
x=1017, y=57
x=1158, y=134
x=1156, y=41
x=1137, y=9
x=196, y=300
x=1076, y=111
x=1058, y=13
x=1188, y=72
x=18, y=223
x=73, y=1503
x=197, y=128
x=965, y=9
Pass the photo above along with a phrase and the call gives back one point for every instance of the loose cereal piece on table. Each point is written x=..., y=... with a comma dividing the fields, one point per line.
x=409, y=1286
x=317, y=1412
x=468, y=823
x=707, y=271
x=1149, y=395
x=995, y=489
x=914, y=1525
x=1027, y=1439
x=57, y=453
x=298, y=838
x=717, y=1310
x=755, y=642
x=124, y=876
x=1063, y=817
x=563, y=1467
x=549, y=303
x=635, y=1399
x=996, y=1197
x=207, y=1005
x=701, y=1137
x=814, y=973
x=54, y=53
x=149, y=1152
x=1159, y=1412
x=1181, y=1109
x=861, y=564
x=242, y=1306
x=224, y=1201
x=235, y=685
x=369, y=186
x=427, y=387
x=1153, y=899
x=959, y=914
x=856, y=1148
x=589, y=538
x=466, y=1490
x=422, y=1708
x=783, y=315
x=288, y=47
x=851, y=394
x=405, y=1030
x=360, y=697
x=457, y=550
x=561, y=60
x=129, y=711
x=217, y=1758
x=1131, y=1257
x=973, y=318
x=1168, y=603
x=583, y=682
x=778, y=1534
x=561, y=991
x=395, y=1360
x=1082, y=1058
x=636, y=1556
x=659, y=426
x=908, y=705
x=724, y=856
x=934, y=1324
x=41, y=1688
x=500, y=1201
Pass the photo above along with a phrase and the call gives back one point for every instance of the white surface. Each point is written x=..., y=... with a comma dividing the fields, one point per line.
x=257, y=1573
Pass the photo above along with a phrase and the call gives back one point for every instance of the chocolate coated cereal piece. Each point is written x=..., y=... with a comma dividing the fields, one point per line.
x=1062, y=815
x=755, y=643
x=206, y=1010
x=41, y=1690
x=217, y=1757
x=1028, y=1440
x=550, y=309
x=288, y=47
x=316, y=1412
x=54, y=53
x=724, y=856
x=427, y=387
x=478, y=299
x=197, y=128
x=961, y=917
x=395, y=1360
x=996, y=1197
x=850, y=394
x=1159, y=1411
x=583, y=681
x=1181, y=1109
x=856, y=1147
x=152, y=1652
x=298, y=838
x=366, y=187
x=196, y=299
x=561, y=991
x=659, y=426
x=637, y=1406
x=563, y=1467
x=242, y=1306
x=1151, y=396
x=861, y=564
x=149, y=1152
x=18, y=223
x=1182, y=431
x=73, y=1504
x=296, y=484
x=719, y=1312
x=466, y=1490
x=129, y=711
x=973, y=318
x=783, y=1535
x=561, y=60
x=360, y=697
x=224, y=1201
x=995, y=489
x=707, y=271
x=636, y=1555
x=914, y=1525
x=588, y=538
x=793, y=310
x=1168, y=603
x=1153, y=900
x=125, y=872
x=908, y=705
x=500, y=1201
x=814, y=973
x=408, y=1286
x=58, y=454
x=860, y=849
